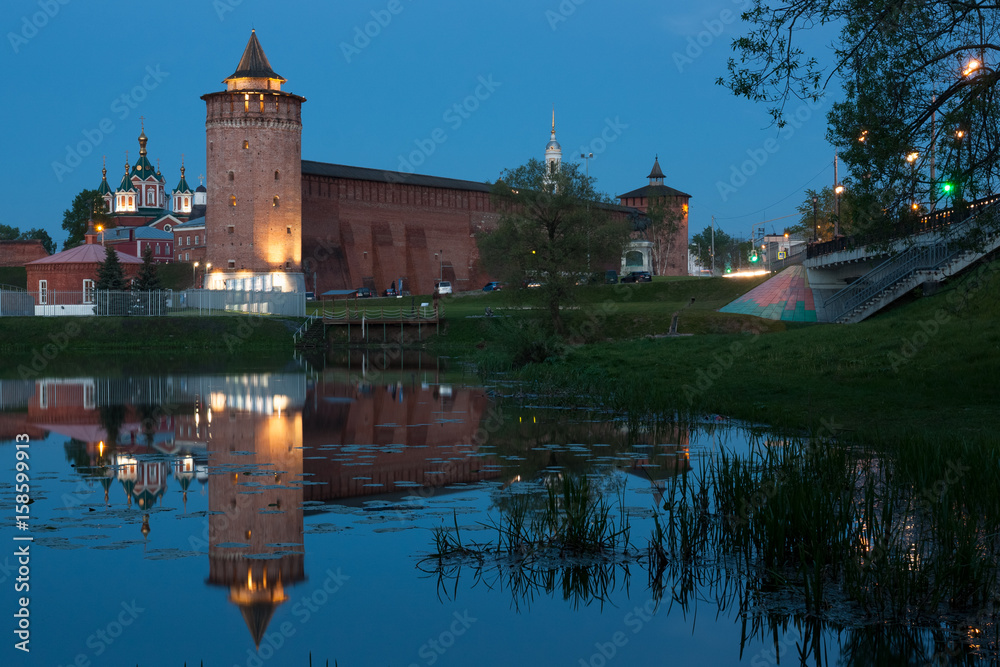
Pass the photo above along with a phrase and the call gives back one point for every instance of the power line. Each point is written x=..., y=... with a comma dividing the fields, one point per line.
x=792, y=194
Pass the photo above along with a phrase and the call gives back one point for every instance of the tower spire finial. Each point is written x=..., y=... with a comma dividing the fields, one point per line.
x=553, y=120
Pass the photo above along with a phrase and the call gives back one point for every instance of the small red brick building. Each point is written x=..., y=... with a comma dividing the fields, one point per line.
x=667, y=253
x=63, y=283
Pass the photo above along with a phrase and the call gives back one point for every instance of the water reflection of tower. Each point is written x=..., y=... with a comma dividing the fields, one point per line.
x=255, y=501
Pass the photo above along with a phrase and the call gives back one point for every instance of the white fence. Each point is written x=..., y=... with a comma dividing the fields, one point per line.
x=155, y=303
x=207, y=301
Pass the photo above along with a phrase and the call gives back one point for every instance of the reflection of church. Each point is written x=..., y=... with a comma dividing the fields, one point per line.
x=253, y=428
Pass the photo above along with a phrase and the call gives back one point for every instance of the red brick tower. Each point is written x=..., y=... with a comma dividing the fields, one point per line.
x=253, y=221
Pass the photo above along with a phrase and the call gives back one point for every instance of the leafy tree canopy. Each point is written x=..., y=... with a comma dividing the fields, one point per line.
x=553, y=228
x=86, y=206
x=918, y=78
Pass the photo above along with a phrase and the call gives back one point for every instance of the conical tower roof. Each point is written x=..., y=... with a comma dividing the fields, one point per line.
x=254, y=64
x=656, y=172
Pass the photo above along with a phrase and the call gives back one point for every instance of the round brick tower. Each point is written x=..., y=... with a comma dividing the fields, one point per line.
x=253, y=220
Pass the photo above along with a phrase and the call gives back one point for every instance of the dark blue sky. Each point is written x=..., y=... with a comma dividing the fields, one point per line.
x=448, y=88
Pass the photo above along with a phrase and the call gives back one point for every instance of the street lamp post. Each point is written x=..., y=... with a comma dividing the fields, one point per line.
x=194, y=275
x=586, y=158
x=839, y=190
x=208, y=268
x=815, y=224
x=912, y=159
x=100, y=230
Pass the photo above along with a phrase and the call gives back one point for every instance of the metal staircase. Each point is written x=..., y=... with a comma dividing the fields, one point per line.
x=938, y=258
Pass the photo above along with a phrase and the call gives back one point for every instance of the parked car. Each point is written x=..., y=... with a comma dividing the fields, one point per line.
x=389, y=291
x=365, y=293
x=494, y=286
x=638, y=277
x=442, y=287
x=532, y=282
x=610, y=277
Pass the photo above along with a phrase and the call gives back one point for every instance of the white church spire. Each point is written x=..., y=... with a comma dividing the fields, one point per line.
x=553, y=151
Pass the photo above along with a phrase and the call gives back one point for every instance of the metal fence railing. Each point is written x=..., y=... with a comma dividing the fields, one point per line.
x=154, y=303
x=15, y=302
x=884, y=276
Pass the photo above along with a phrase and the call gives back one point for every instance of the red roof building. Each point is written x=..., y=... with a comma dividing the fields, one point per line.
x=63, y=283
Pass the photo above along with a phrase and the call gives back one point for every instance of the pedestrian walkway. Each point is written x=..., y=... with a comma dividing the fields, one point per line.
x=786, y=297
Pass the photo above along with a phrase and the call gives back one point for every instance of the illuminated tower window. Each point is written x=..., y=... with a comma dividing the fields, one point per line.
x=246, y=144
x=232, y=200
x=274, y=202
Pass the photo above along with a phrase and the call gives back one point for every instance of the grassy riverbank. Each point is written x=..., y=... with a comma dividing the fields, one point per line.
x=926, y=367
x=85, y=341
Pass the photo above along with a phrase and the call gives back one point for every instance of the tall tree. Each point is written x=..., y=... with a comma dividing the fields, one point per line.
x=110, y=275
x=701, y=245
x=826, y=213
x=147, y=279
x=665, y=217
x=86, y=206
x=918, y=78
x=552, y=227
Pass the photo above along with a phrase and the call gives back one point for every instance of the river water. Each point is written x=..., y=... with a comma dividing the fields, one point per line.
x=266, y=518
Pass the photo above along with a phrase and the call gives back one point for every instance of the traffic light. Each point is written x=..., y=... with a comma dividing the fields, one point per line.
x=947, y=188
x=754, y=257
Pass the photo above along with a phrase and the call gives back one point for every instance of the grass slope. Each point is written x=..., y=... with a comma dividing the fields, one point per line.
x=926, y=368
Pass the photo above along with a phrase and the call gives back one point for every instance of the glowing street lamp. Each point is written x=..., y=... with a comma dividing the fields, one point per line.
x=194, y=271
x=100, y=230
x=839, y=190
x=971, y=67
x=912, y=159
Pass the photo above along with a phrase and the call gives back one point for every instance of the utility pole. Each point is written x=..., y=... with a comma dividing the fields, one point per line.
x=713, y=246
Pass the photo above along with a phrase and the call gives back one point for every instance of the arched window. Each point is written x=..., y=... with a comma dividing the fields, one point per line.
x=633, y=258
x=232, y=200
x=232, y=176
x=277, y=175
x=246, y=144
x=274, y=202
